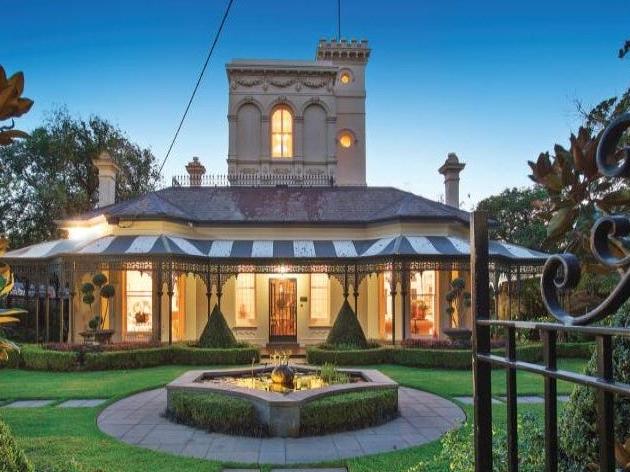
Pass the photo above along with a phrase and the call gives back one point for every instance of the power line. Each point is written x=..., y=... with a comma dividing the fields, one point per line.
x=203, y=70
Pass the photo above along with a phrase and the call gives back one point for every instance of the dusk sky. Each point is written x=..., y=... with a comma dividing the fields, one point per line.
x=496, y=82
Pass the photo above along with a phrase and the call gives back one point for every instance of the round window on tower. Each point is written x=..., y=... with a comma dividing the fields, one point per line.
x=345, y=78
x=346, y=139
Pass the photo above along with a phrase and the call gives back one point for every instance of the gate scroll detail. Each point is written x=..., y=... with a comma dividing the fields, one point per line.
x=561, y=272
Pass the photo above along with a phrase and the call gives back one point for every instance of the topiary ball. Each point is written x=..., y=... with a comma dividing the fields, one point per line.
x=87, y=287
x=99, y=279
x=88, y=298
x=107, y=291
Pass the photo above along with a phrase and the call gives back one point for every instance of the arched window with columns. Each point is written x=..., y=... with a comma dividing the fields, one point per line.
x=281, y=132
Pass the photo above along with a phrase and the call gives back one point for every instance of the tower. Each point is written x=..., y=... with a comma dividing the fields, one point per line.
x=350, y=58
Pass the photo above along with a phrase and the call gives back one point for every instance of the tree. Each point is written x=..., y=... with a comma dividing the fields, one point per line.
x=517, y=219
x=12, y=105
x=578, y=193
x=49, y=175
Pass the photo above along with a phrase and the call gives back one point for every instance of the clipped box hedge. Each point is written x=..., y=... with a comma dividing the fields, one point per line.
x=215, y=413
x=435, y=358
x=34, y=357
x=348, y=411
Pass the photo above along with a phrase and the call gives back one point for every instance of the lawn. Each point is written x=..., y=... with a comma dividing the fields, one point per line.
x=53, y=436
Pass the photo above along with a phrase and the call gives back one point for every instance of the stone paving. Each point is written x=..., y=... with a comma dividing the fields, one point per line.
x=139, y=420
x=525, y=399
x=29, y=403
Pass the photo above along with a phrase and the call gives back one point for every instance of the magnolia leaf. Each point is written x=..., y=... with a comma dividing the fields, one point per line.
x=12, y=311
x=17, y=81
x=8, y=320
x=560, y=222
x=613, y=199
x=3, y=77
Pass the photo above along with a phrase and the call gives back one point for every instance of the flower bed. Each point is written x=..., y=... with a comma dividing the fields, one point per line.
x=38, y=358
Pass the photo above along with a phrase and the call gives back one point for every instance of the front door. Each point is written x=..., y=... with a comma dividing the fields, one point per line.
x=283, y=310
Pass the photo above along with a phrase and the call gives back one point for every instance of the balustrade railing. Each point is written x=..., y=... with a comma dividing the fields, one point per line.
x=253, y=180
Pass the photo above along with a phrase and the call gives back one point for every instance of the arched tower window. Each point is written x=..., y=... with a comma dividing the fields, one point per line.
x=282, y=132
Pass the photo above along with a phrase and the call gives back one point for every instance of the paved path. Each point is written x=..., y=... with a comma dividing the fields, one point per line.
x=138, y=420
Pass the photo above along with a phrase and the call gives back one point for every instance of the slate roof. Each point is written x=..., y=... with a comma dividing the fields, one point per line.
x=281, y=205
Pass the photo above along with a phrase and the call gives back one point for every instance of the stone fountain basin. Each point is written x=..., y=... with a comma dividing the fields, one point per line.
x=279, y=411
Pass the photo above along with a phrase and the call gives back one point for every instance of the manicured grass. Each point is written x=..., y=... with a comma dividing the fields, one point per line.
x=452, y=383
x=52, y=436
x=26, y=384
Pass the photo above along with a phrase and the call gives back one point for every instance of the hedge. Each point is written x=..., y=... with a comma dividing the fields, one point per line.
x=12, y=458
x=215, y=413
x=36, y=358
x=434, y=358
x=348, y=411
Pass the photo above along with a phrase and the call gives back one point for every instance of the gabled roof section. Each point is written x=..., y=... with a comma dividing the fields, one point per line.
x=281, y=205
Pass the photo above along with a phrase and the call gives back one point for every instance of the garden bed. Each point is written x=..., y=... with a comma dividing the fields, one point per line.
x=444, y=358
x=34, y=357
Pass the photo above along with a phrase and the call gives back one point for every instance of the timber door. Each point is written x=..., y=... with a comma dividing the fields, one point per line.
x=282, y=310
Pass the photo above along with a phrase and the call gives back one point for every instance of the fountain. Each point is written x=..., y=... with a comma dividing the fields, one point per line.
x=278, y=392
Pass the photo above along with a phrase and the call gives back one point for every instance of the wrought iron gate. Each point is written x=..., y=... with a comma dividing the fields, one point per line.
x=561, y=272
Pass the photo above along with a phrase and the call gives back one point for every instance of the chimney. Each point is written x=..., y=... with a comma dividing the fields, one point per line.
x=450, y=170
x=195, y=170
x=107, y=170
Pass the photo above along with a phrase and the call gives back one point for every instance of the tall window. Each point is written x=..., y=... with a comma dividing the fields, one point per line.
x=138, y=301
x=282, y=132
x=386, y=306
x=320, y=305
x=246, y=300
x=422, y=293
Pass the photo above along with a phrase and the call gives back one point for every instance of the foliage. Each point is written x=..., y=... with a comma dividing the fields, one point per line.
x=578, y=423
x=12, y=105
x=217, y=333
x=49, y=175
x=215, y=412
x=578, y=193
x=458, y=300
x=331, y=375
x=348, y=411
x=347, y=330
x=518, y=221
x=12, y=458
x=7, y=315
x=458, y=448
x=106, y=291
x=435, y=358
x=34, y=357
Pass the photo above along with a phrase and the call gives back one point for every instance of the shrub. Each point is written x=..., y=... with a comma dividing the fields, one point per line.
x=217, y=333
x=127, y=359
x=318, y=356
x=187, y=355
x=348, y=411
x=458, y=448
x=347, y=329
x=35, y=358
x=118, y=346
x=215, y=412
x=12, y=458
x=578, y=422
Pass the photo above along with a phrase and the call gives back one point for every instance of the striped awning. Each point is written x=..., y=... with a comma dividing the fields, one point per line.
x=434, y=247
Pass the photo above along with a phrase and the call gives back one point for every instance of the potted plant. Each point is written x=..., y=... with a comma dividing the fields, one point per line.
x=458, y=300
x=96, y=331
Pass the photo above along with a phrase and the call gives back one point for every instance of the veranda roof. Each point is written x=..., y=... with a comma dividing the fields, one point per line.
x=433, y=247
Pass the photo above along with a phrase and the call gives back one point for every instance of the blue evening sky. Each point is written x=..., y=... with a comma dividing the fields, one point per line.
x=494, y=81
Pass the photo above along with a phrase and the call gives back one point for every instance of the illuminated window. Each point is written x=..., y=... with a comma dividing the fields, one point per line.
x=246, y=300
x=138, y=301
x=282, y=132
x=320, y=306
x=346, y=140
x=422, y=304
x=345, y=78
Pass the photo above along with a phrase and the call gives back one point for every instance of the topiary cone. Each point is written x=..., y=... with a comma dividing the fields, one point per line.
x=217, y=333
x=347, y=330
